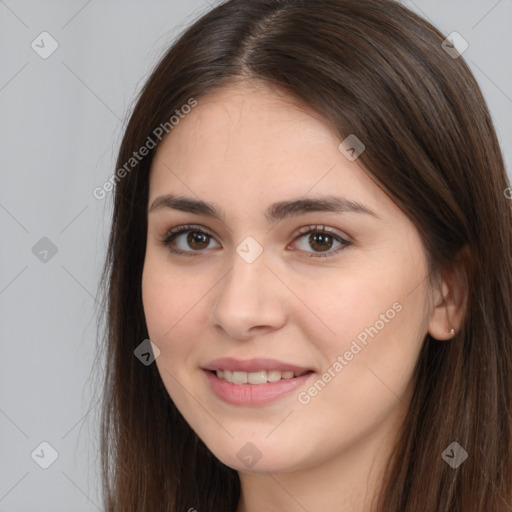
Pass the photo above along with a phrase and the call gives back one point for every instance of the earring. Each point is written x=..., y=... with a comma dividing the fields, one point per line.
x=451, y=331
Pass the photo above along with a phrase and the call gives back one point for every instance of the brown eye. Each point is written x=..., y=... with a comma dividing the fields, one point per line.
x=321, y=241
x=195, y=241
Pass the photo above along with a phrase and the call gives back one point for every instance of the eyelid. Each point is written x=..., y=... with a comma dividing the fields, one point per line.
x=320, y=228
x=183, y=228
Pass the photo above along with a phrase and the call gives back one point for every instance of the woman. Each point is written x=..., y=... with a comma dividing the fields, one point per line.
x=311, y=228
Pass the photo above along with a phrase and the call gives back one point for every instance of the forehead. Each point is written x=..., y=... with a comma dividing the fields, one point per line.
x=240, y=118
x=246, y=145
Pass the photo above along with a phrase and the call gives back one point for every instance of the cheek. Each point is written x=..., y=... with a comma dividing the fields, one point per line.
x=347, y=306
x=369, y=361
x=172, y=322
x=169, y=297
x=374, y=318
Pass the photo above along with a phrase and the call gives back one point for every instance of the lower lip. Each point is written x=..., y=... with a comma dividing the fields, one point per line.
x=254, y=394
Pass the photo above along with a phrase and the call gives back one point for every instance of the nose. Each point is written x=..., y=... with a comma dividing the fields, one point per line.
x=250, y=300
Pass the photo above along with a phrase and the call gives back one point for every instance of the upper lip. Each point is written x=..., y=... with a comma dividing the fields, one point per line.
x=252, y=365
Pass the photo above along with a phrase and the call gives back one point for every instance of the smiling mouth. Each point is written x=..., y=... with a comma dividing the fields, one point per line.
x=256, y=378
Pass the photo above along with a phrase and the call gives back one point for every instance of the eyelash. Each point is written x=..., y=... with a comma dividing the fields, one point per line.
x=175, y=232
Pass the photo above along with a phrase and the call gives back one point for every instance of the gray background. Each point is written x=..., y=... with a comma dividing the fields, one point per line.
x=61, y=123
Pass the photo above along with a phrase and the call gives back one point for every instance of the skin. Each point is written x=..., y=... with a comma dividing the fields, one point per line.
x=243, y=148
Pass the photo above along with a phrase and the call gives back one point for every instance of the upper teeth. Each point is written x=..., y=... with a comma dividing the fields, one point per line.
x=261, y=377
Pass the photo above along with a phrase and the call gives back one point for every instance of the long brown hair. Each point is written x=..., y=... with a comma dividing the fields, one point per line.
x=375, y=69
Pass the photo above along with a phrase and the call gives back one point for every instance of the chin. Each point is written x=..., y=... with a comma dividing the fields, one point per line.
x=255, y=456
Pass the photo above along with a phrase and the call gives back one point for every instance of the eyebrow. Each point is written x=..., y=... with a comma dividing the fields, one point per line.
x=275, y=212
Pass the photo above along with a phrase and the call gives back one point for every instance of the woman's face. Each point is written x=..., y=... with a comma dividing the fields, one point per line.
x=342, y=311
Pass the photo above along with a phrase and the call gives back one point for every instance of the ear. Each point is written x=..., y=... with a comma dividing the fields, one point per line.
x=450, y=299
